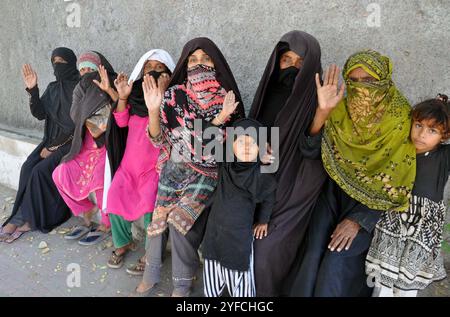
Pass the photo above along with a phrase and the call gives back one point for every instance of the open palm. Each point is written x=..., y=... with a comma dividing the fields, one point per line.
x=153, y=95
x=29, y=76
x=104, y=83
x=328, y=94
x=123, y=87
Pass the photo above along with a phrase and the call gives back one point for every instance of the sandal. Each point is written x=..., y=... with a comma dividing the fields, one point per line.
x=137, y=269
x=77, y=232
x=94, y=237
x=116, y=261
x=4, y=235
x=14, y=236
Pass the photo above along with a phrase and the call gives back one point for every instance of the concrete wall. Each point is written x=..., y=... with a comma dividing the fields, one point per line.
x=14, y=150
x=416, y=34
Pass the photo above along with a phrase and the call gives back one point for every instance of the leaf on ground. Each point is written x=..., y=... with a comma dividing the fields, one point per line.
x=43, y=245
x=45, y=251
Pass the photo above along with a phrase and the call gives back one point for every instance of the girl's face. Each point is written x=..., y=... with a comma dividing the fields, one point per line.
x=59, y=60
x=86, y=70
x=154, y=66
x=290, y=59
x=425, y=136
x=200, y=57
x=245, y=148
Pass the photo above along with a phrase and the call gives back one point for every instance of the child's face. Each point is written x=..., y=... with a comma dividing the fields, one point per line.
x=245, y=148
x=425, y=136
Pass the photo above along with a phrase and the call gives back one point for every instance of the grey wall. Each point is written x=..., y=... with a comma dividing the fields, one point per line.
x=415, y=34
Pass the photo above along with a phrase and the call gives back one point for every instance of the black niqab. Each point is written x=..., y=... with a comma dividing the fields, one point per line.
x=57, y=98
x=92, y=99
x=299, y=180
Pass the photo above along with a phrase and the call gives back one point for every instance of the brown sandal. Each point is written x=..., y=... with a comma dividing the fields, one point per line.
x=116, y=260
x=137, y=269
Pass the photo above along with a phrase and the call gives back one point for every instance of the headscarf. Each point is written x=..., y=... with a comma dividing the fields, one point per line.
x=246, y=176
x=57, y=98
x=90, y=99
x=116, y=136
x=366, y=148
x=197, y=93
x=89, y=59
x=300, y=180
x=294, y=113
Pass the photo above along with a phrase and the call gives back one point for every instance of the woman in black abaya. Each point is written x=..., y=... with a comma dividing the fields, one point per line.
x=38, y=205
x=286, y=99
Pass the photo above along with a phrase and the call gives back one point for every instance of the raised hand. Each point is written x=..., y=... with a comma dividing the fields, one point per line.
x=229, y=104
x=104, y=83
x=153, y=95
x=122, y=86
x=328, y=94
x=29, y=76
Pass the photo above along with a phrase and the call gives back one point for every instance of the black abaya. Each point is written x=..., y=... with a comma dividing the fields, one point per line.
x=299, y=179
x=37, y=198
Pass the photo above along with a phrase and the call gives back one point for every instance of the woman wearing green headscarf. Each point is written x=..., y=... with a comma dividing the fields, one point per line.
x=363, y=141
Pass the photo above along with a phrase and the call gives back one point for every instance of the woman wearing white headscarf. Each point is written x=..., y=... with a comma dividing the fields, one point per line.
x=132, y=163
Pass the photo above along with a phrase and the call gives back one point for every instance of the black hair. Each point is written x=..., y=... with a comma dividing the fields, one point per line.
x=436, y=110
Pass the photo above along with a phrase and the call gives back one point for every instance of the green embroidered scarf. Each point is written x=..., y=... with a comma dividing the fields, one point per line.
x=366, y=148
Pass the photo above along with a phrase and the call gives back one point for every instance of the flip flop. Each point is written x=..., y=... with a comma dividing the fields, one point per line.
x=137, y=269
x=4, y=235
x=94, y=237
x=116, y=261
x=15, y=236
x=77, y=232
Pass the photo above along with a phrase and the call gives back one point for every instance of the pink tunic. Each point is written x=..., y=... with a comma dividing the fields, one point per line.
x=81, y=176
x=134, y=186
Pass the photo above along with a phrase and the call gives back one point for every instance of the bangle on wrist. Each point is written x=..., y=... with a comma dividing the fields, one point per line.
x=219, y=121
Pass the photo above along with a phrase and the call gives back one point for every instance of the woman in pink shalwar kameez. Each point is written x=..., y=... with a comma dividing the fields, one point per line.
x=82, y=170
x=132, y=157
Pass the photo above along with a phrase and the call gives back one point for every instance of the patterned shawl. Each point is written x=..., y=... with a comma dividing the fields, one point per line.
x=198, y=93
x=366, y=148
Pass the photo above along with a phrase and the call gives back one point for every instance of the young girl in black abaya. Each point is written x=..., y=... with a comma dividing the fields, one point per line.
x=228, y=242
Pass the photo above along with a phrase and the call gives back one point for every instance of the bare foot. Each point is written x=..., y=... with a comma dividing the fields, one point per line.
x=124, y=249
x=103, y=228
x=87, y=216
x=144, y=288
x=25, y=228
x=9, y=228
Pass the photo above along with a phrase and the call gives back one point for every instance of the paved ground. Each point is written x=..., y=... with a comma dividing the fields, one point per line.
x=25, y=271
